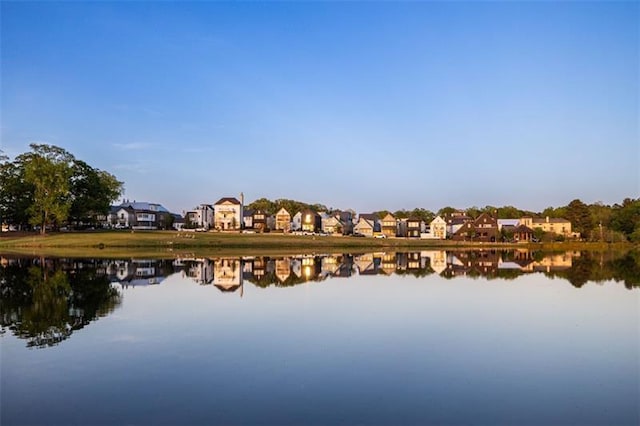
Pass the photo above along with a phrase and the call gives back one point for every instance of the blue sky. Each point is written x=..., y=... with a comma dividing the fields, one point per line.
x=355, y=105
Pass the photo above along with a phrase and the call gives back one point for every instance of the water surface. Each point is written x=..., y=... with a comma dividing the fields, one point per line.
x=376, y=338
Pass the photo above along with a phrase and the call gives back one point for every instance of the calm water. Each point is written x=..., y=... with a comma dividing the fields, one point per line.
x=384, y=338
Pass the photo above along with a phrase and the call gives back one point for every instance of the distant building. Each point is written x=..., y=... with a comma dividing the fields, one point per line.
x=555, y=225
x=140, y=215
x=228, y=214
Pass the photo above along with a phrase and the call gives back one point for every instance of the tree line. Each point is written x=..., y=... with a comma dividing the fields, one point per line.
x=48, y=187
x=594, y=222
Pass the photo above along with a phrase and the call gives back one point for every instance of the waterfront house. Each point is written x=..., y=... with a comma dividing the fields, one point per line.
x=283, y=220
x=483, y=229
x=296, y=222
x=228, y=214
x=200, y=217
x=389, y=225
x=414, y=227
x=311, y=221
x=554, y=225
x=364, y=227
x=140, y=216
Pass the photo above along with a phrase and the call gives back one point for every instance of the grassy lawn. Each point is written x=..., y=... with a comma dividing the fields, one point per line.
x=173, y=243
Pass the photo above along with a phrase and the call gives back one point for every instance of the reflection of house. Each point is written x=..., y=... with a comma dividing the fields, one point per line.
x=137, y=272
x=311, y=268
x=554, y=262
x=367, y=264
x=283, y=269
x=555, y=225
x=228, y=214
x=414, y=260
x=437, y=260
x=389, y=262
x=201, y=271
x=283, y=220
x=227, y=275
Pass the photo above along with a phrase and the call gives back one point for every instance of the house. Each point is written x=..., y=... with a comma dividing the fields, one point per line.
x=140, y=215
x=228, y=214
x=346, y=218
x=311, y=221
x=455, y=221
x=522, y=234
x=178, y=222
x=483, y=229
x=437, y=229
x=390, y=225
x=414, y=227
x=365, y=226
x=200, y=217
x=332, y=224
x=247, y=219
x=555, y=225
x=283, y=220
x=296, y=222
x=260, y=220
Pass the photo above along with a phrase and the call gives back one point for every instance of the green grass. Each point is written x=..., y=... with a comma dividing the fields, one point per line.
x=173, y=243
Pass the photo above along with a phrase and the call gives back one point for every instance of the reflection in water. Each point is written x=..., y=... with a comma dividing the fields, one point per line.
x=44, y=301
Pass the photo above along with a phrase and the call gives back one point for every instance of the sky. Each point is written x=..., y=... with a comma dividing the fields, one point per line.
x=370, y=106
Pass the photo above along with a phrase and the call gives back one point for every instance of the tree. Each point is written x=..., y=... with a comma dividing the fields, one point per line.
x=16, y=195
x=92, y=192
x=48, y=169
x=578, y=214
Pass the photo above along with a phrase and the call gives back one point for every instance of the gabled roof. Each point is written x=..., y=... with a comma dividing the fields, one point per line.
x=369, y=216
x=523, y=228
x=231, y=200
x=365, y=221
x=389, y=216
x=283, y=212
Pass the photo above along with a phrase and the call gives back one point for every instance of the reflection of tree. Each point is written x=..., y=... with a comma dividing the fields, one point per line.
x=44, y=305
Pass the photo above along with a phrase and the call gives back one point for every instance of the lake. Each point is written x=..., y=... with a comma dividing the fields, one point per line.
x=430, y=337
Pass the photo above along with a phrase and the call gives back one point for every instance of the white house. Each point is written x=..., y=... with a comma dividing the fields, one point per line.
x=296, y=222
x=437, y=229
x=228, y=214
x=201, y=216
x=364, y=227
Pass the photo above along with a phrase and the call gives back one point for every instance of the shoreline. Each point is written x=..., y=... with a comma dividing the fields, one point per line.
x=178, y=244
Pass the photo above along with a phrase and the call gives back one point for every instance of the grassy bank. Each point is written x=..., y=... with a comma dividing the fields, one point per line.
x=172, y=243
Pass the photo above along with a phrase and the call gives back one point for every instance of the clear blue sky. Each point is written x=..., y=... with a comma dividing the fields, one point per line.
x=354, y=105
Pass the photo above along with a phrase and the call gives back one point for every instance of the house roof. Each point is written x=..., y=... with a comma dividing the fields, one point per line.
x=372, y=217
x=231, y=200
x=549, y=220
x=523, y=228
x=508, y=222
x=142, y=205
x=247, y=213
x=283, y=211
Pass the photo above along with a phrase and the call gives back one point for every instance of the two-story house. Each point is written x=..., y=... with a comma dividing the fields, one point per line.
x=548, y=224
x=228, y=214
x=390, y=225
x=140, y=215
x=311, y=221
x=200, y=217
x=283, y=220
x=483, y=229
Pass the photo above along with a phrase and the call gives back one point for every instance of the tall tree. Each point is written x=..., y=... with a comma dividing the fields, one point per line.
x=48, y=169
x=92, y=192
x=580, y=217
